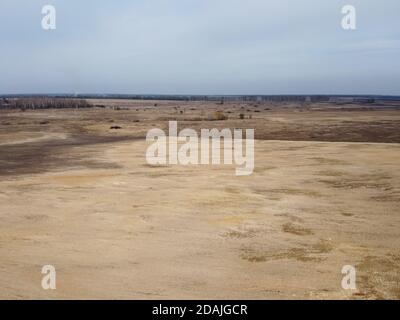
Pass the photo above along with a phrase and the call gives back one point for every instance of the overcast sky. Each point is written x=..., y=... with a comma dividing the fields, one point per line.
x=200, y=47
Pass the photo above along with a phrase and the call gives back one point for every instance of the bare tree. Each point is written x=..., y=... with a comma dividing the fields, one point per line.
x=45, y=103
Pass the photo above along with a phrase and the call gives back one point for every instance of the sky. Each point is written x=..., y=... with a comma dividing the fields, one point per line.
x=200, y=47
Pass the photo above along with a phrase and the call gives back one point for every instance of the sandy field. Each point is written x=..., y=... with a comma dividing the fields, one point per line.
x=78, y=195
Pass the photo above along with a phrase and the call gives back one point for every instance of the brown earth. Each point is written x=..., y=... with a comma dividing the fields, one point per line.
x=78, y=195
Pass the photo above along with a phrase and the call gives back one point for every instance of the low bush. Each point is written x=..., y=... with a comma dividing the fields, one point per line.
x=219, y=115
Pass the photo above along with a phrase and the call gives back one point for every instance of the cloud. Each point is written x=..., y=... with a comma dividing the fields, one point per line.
x=199, y=46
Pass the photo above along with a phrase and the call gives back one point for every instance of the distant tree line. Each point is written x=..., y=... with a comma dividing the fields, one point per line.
x=43, y=103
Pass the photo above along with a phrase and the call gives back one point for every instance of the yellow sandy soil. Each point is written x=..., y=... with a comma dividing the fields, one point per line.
x=133, y=231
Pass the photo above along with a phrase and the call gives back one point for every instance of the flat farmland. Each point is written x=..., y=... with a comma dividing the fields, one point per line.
x=76, y=192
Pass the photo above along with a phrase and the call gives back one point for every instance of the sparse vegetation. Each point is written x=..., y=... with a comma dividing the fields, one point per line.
x=95, y=159
x=220, y=116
